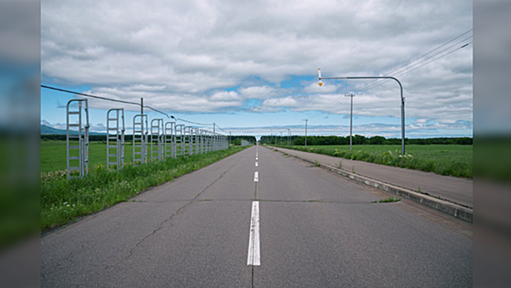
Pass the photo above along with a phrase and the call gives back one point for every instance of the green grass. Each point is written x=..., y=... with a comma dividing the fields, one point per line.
x=62, y=201
x=450, y=160
x=388, y=200
x=53, y=155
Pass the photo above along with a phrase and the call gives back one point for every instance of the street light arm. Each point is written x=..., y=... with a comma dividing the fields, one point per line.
x=378, y=77
x=366, y=77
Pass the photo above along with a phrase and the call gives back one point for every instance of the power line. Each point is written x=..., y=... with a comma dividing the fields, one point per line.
x=411, y=61
x=88, y=95
x=423, y=60
x=441, y=56
x=191, y=122
x=408, y=70
x=103, y=98
x=410, y=65
x=221, y=128
x=417, y=58
x=414, y=67
x=125, y=102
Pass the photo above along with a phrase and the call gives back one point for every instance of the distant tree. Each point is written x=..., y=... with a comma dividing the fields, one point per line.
x=362, y=140
x=299, y=140
x=359, y=140
x=377, y=140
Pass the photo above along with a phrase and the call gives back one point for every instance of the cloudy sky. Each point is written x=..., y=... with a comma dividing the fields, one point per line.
x=251, y=66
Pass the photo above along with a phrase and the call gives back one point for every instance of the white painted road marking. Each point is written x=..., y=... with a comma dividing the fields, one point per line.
x=257, y=158
x=256, y=176
x=254, y=253
x=256, y=164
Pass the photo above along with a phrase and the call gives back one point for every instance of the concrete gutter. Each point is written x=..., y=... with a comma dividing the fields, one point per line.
x=449, y=208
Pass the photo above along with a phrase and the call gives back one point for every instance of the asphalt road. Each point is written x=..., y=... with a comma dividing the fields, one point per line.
x=288, y=225
x=457, y=190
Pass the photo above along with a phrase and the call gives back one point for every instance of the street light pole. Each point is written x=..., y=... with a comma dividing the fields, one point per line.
x=378, y=77
x=351, y=116
x=288, y=136
x=305, y=131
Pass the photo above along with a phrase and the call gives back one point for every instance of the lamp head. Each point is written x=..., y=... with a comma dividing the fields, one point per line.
x=320, y=83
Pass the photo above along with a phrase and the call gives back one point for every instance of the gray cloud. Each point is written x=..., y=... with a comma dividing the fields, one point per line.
x=181, y=55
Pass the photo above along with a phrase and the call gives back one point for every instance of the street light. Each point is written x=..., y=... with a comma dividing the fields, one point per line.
x=288, y=136
x=378, y=77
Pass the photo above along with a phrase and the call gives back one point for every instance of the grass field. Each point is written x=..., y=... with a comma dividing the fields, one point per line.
x=451, y=160
x=62, y=201
x=53, y=155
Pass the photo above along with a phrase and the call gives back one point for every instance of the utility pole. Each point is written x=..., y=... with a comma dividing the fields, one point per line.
x=351, y=115
x=305, y=131
x=141, y=105
x=280, y=137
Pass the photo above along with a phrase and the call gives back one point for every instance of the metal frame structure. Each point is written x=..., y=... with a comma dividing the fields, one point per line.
x=170, y=143
x=196, y=141
x=157, y=141
x=179, y=139
x=186, y=141
x=140, y=139
x=209, y=141
x=115, y=128
x=167, y=140
x=201, y=140
x=77, y=153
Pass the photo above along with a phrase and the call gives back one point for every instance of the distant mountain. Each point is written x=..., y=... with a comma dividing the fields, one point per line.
x=47, y=130
x=50, y=130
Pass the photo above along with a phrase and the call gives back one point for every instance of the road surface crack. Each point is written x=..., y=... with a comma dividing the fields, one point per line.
x=252, y=284
x=161, y=225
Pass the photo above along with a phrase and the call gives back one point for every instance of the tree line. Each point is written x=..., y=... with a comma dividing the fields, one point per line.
x=236, y=139
x=362, y=140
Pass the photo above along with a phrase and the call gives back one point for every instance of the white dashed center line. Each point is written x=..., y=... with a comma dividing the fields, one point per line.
x=256, y=164
x=256, y=176
x=254, y=254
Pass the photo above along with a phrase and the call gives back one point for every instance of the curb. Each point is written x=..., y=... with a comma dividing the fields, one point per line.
x=457, y=211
